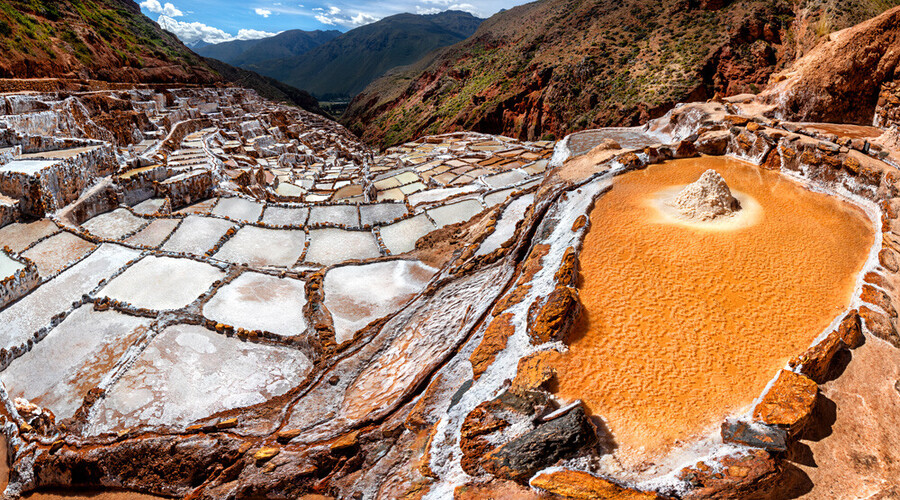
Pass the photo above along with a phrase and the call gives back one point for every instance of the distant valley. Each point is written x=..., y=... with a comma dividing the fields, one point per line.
x=334, y=66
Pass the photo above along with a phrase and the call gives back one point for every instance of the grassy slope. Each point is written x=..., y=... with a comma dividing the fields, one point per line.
x=101, y=39
x=550, y=67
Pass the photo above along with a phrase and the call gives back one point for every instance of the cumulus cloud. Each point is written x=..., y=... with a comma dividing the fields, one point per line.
x=167, y=10
x=191, y=33
x=263, y=12
x=335, y=16
x=442, y=5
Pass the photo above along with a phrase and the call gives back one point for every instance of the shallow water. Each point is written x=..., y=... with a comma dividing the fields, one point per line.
x=685, y=325
x=845, y=130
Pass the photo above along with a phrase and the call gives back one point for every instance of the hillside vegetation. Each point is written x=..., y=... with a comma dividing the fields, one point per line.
x=112, y=41
x=547, y=68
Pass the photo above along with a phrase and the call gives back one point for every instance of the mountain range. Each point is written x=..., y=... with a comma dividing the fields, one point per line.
x=332, y=65
x=286, y=44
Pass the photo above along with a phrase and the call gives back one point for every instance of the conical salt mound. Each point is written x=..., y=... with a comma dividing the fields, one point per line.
x=706, y=199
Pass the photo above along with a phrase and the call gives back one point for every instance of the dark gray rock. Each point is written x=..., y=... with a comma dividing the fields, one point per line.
x=755, y=434
x=542, y=447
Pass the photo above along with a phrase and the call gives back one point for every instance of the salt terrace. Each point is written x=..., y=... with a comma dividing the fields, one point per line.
x=250, y=296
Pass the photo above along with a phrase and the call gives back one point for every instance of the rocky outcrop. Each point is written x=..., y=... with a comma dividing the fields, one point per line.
x=541, y=447
x=789, y=402
x=841, y=79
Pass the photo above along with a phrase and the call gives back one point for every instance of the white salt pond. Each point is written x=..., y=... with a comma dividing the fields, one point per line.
x=455, y=212
x=162, y=283
x=20, y=236
x=73, y=358
x=9, y=266
x=356, y=295
x=505, y=178
x=20, y=320
x=259, y=247
x=149, y=206
x=256, y=301
x=197, y=235
x=154, y=234
x=506, y=226
x=114, y=225
x=332, y=246
x=497, y=197
x=188, y=373
x=57, y=252
x=400, y=237
x=346, y=215
x=238, y=209
x=27, y=167
x=441, y=194
x=381, y=213
x=285, y=216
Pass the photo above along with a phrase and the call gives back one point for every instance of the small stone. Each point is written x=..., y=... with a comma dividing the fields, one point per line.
x=56, y=446
x=789, y=401
x=753, y=126
x=227, y=424
x=754, y=434
x=266, y=453
x=287, y=435
x=346, y=441
x=581, y=485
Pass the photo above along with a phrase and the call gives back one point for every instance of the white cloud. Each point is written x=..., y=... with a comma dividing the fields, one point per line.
x=335, y=16
x=465, y=7
x=263, y=12
x=191, y=33
x=245, y=34
x=167, y=10
x=429, y=10
x=362, y=18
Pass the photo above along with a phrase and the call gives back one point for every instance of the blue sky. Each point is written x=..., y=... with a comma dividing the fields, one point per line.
x=216, y=21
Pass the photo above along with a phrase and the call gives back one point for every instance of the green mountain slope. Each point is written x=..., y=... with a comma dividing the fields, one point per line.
x=289, y=43
x=111, y=41
x=106, y=40
x=550, y=67
x=345, y=65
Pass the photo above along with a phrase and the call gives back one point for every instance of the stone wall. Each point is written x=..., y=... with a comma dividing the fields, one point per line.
x=887, y=113
x=186, y=188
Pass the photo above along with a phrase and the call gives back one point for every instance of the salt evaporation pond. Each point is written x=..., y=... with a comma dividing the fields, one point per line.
x=60, y=370
x=684, y=325
x=626, y=137
x=162, y=283
x=358, y=295
x=258, y=301
x=188, y=372
x=8, y=265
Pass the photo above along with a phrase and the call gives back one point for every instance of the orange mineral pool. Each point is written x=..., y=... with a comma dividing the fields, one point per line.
x=686, y=323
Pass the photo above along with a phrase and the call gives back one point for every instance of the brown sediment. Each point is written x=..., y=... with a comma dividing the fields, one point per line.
x=684, y=325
